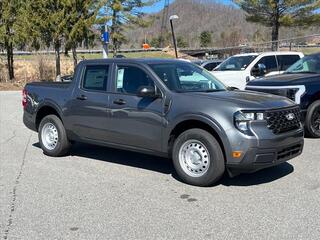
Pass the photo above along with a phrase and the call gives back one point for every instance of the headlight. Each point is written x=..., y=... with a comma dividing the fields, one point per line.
x=291, y=93
x=242, y=119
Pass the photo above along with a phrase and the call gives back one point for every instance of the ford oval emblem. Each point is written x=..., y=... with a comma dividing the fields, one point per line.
x=290, y=116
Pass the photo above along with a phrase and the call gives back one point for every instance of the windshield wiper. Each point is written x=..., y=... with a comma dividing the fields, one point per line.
x=214, y=90
x=301, y=72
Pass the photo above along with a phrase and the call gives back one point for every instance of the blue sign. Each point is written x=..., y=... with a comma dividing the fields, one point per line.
x=105, y=37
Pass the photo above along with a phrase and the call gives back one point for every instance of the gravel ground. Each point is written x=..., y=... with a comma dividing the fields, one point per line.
x=102, y=193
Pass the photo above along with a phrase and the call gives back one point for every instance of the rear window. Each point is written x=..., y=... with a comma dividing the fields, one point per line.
x=286, y=61
x=96, y=78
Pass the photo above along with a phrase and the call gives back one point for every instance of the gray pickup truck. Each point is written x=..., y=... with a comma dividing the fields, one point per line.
x=170, y=108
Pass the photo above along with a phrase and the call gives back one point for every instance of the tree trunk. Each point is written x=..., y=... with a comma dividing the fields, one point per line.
x=57, y=55
x=275, y=36
x=75, y=57
x=113, y=30
x=9, y=49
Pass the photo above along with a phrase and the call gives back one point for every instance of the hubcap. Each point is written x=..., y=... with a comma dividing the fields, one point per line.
x=194, y=158
x=315, y=120
x=49, y=136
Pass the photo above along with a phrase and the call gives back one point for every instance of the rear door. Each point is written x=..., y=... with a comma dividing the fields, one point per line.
x=134, y=121
x=88, y=107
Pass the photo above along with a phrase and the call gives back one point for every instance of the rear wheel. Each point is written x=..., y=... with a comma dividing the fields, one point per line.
x=313, y=120
x=198, y=158
x=52, y=136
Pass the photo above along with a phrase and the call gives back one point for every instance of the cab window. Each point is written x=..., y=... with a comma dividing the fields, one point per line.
x=270, y=63
x=286, y=61
x=96, y=78
x=130, y=79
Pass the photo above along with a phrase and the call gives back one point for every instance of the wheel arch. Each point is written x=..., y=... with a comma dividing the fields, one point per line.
x=46, y=109
x=202, y=123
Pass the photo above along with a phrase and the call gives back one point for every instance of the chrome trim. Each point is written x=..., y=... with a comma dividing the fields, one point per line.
x=299, y=93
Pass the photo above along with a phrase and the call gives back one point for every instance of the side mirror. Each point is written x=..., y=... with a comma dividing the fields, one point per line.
x=259, y=70
x=148, y=91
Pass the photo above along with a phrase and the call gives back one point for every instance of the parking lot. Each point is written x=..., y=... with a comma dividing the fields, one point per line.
x=102, y=193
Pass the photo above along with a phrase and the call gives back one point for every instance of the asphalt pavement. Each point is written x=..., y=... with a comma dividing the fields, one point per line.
x=103, y=193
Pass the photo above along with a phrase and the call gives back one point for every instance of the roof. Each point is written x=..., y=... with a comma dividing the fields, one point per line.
x=135, y=60
x=270, y=53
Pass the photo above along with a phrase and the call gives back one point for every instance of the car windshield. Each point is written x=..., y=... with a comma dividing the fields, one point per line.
x=308, y=64
x=187, y=77
x=236, y=63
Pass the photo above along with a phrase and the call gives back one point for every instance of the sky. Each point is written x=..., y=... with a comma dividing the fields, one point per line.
x=159, y=5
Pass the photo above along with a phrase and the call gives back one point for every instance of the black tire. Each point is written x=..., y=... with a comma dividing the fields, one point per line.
x=312, y=126
x=217, y=164
x=63, y=145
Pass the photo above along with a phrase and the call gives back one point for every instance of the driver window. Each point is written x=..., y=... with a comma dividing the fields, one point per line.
x=130, y=79
x=270, y=63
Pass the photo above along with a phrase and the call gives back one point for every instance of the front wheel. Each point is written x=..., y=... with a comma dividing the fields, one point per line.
x=198, y=158
x=313, y=120
x=52, y=136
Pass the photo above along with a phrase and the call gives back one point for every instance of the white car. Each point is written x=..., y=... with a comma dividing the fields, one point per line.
x=239, y=69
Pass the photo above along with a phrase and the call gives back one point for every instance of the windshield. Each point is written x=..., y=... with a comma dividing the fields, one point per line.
x=187, y=77
x=236, y=63
x=308, y=64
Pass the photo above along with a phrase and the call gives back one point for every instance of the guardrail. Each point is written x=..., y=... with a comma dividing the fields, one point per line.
x=84, y=51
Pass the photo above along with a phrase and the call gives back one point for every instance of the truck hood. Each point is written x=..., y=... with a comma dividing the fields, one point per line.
x=247, y=99
x=285, y=79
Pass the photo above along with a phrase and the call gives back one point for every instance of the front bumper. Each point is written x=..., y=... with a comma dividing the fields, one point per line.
x=268, y=153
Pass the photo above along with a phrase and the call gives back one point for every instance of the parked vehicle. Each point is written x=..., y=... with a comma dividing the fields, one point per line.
x=170, y=108
x=211, y=64
x=208, y=64
x=300, y=83
x=239, y=69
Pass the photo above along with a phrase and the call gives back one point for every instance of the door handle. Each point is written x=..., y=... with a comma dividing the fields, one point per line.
x=119, y=102
x=82, y=97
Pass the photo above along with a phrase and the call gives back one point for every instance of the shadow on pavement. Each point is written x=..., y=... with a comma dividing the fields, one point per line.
x=263, y=176
x=165, y=166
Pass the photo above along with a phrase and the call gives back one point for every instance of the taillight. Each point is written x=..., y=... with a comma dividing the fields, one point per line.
x=24, y=98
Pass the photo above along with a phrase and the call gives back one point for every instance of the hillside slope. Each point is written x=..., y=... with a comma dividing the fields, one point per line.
x=227, y=25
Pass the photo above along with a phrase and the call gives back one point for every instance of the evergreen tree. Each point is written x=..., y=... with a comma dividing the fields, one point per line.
x=123, y=14
x=45, y=20
x=277, y=13
x=181, y=42
x=10, y=34
x=205, y=39
x=80, y=17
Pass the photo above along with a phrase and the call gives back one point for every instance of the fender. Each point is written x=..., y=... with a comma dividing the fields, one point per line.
x=48, y=103
x=201, y=118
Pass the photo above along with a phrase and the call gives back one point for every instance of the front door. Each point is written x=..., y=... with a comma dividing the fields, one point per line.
x=134, y=121
x=88, y=113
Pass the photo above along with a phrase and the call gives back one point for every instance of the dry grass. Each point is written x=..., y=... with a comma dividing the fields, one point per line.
x=38, y=68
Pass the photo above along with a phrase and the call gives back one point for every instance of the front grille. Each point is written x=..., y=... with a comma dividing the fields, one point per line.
x=289, y=152
x=279, y=121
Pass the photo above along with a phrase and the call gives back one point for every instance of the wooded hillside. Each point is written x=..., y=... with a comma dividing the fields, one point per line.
x=226, y=23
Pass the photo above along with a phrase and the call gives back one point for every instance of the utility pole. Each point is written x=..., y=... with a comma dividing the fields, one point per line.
x=174, y=17
x=105, y=38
